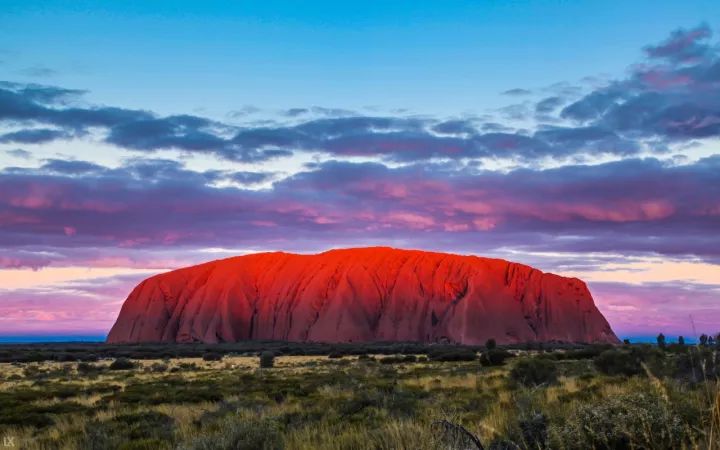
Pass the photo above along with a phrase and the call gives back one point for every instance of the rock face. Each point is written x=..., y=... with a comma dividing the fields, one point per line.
x=363, y=294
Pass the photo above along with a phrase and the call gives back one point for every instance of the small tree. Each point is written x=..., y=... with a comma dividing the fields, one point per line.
x=490, y=344
x=626, y=341
x=494, y=357
x=267, y=360
x=534, y=372
x=703, y=340
x=618, y=362
x=681, y=341
x=661, y=341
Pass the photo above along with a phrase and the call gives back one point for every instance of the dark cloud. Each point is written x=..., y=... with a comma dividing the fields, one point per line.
x=39, y=104
x=189, y=133
x=294, y=112
x=46, y=95
x=393, y=138
x=590, y=139
x=33, y=136
x=674, y=95
x=517, y=92
x=683, y=46
x=71, y=167
x=455, y=127
x=548, y=105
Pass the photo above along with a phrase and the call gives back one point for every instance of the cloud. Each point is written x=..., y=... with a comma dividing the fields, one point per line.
x=670, y=98
x=38, y=71
x=669, y=308
x=250, y=178
x=19, y=153
x=630, y=206
x=517, y=92
x=683, y=46
x=548, y=105
x=33, y=136
x=673, y=95
x=70, y=307
x=70, y=167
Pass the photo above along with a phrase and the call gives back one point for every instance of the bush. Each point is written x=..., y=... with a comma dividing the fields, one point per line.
x=534, y=371
x=122, y=364
x=142, y=430
x=159, y=367
x=452, y=354
x=211, y=356
x=625, y=421
x=534, y=431
x=587, y=352
x=399, y=359
x=618, y=362
x=237, y=433
x=84, y=368
x=495, y=357
x=696, y=365
x=267, y=360
x=490, y=344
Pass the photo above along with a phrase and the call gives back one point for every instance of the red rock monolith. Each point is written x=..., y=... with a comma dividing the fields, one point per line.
x=361, y=294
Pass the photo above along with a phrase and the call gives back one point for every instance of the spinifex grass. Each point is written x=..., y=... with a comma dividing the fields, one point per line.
x=316, y=402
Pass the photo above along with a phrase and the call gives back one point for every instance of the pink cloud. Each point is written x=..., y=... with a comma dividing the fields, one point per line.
x=653, y=308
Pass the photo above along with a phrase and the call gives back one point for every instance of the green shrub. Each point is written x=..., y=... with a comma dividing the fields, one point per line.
x=142, y=430
x=212, y=356
x=85, y=368
x=122, y=364
x=452, y=354
x=534, y=371
x=267, y=360
x=696, y=365
x=398, y=359
x=490, y=344
x=534, y=431
x=494, y=357
x=159, y=367
x=235, y=433
x=170, y=390
x=587, y=352
x=626, y=421
x=618, y=362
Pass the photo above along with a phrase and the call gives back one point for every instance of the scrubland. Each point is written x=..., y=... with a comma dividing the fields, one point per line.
x=412, y=397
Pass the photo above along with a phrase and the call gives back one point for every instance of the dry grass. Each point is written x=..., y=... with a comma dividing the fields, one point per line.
x=321, y=403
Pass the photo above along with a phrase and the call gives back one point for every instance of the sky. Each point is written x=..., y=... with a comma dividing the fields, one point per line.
x=577, y=137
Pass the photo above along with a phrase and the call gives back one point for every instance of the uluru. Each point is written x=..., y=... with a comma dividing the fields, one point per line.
x=360, y=294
